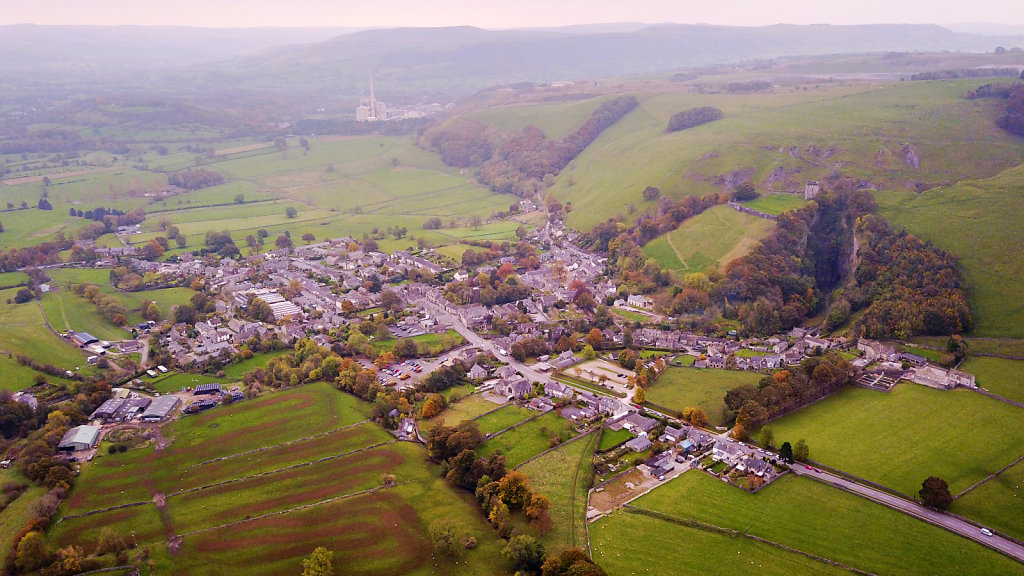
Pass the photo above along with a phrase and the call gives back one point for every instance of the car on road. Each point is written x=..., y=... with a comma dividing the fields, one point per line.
x=808, y=466
x=818, y=470
x=986, y=532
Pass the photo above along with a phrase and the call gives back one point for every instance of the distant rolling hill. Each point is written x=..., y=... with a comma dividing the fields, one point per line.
x=426, y=62
x=455, y=61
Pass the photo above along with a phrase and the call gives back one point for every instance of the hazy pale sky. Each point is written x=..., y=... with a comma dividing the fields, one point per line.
x=504, y=13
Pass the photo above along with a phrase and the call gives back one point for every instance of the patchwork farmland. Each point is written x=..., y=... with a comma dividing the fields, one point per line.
x=241, y=485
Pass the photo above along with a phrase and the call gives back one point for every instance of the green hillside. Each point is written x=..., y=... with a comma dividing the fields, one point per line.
x=717, y=236
x=781, y=139
x=978, y=221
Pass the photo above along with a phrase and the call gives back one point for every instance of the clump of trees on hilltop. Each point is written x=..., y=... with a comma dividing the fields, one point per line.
x=694, y=117
x=195, y=179
x=517, y=164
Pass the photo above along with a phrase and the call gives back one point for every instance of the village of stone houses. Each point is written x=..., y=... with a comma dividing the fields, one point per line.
x=566, y=358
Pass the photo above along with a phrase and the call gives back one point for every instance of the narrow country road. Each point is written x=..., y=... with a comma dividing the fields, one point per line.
x=943, y=520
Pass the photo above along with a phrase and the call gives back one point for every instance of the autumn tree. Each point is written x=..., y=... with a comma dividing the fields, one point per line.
x=572, y=562
x=935, y=493
x=33, y=552
x=595, y=338
x=537, y=512
x=639, y=395
x=740, y=433
x=319, y=563
x=514, y=490
x=698, y=418
x=432, y=406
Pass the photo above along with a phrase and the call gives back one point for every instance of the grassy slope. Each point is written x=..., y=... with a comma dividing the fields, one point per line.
x=563, y=475
x=556, y=120
x=678, y=388
x=954, y=138
x=717, y=236
x=527, y=440
x=900, y=438
x=14, y=517
x=24, y=332
x=979, y=222
x=796, y=512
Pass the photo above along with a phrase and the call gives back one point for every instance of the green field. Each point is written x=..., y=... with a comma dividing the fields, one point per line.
x=617, y=538
x=177, y=382
x=236, y=370
x=776, y=203
x=529, y=439
x=866, y=124
x=629, y=315
x=499, y=420
x=678, y=388
x=14, y=376
x=612, y=438
x=1002, y=377
x=8, y=279
x=999, y=503
x=468, y=408
x=287, y=471
x=978, y=221
x=715, y=237
x=563, y=475
x=25, y=332
x=797, y=512
x=900, y=438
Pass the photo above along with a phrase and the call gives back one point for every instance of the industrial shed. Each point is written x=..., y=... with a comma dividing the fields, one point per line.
x=107, y=410
x=160, y=408
x=207, y=389
x=83, y=339
x=80, y=438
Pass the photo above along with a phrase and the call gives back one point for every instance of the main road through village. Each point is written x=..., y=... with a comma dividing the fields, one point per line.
x=938, y=518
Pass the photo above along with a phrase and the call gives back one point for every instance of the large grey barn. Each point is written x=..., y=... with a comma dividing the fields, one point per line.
x=160, y=408
x=80, y=438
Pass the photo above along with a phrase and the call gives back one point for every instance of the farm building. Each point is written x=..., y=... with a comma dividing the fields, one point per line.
x=80, y=438
x=83, y=339
x=207, y=389
x=160, y=408
x=130, y=408
x=639, y=444
x=107, y=410
x=200, y=405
